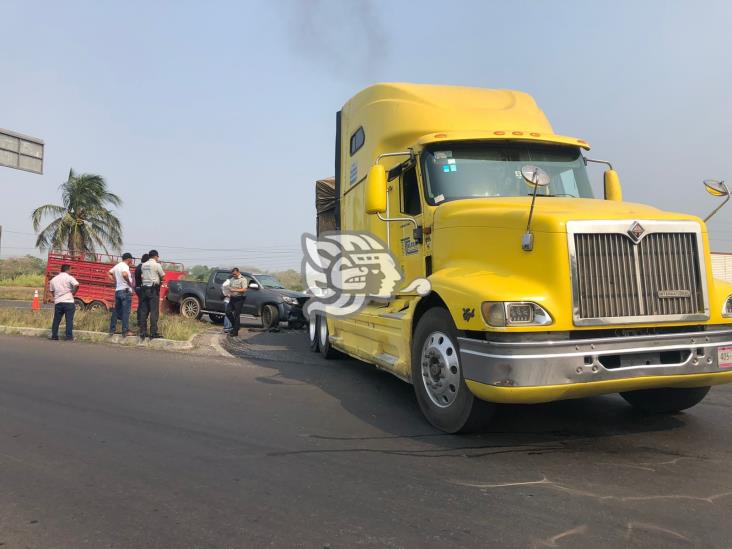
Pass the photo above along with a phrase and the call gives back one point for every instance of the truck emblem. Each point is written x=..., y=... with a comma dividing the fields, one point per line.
x=468, y=313
x=343, y=271
x=668, y=294
x=636, y=231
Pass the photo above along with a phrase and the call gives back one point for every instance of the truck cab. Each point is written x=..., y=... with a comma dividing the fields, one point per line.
x=540, y=290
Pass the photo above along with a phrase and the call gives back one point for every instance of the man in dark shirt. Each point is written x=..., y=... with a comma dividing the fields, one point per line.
x=138, y=285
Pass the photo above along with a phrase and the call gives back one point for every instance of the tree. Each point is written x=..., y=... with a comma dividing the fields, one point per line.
x=83, y=223
x=199, y=272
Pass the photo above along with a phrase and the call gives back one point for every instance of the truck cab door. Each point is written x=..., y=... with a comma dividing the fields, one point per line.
x=405, y=244
x=214, y=297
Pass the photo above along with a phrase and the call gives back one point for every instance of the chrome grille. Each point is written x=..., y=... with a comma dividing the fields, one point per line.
x=618, y=280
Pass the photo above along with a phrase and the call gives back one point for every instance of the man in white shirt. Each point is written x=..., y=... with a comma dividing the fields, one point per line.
x=225, y=289
x=63, y=287
x=124, y=286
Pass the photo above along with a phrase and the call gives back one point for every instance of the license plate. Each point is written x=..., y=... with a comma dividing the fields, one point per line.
x=724, y=355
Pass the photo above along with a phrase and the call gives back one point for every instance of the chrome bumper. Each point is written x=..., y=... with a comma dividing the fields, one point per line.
x=559, y=362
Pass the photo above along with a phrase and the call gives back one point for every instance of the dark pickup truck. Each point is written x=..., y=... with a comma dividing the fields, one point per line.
x=267, y=298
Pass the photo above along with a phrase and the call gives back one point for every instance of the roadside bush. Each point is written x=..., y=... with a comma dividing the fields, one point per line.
x=26, y=280
x=14, y=267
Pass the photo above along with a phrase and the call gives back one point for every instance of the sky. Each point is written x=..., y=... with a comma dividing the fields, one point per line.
x=212, y=120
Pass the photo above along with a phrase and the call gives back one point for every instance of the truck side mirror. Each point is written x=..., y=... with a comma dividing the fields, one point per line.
x=719, y=189
x=253, y=286
x=375, y=202
x=613, y=190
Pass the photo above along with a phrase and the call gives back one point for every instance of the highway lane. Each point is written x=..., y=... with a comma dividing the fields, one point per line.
x=109, y=447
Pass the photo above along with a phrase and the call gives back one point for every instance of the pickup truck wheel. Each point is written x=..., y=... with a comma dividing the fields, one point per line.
x=96, y=307
x=190, y=307
x=665, y=401
x=270, y=317
x=438, y=380
x=324, y=345
x=216, y=319
x=313, y=328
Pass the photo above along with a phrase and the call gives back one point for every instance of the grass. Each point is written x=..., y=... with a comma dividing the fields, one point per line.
x=19, y=292
x=27, y=280
x=170, y=326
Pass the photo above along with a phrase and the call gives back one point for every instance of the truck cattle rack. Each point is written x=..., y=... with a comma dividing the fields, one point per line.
x=96, y=291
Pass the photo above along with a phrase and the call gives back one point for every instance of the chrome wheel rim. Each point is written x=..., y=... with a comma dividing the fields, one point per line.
x=323, y=332
x=440, y=369
x=190, y=308
x=311, y=328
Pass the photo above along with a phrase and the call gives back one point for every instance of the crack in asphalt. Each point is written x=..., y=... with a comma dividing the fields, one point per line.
x=586, y=493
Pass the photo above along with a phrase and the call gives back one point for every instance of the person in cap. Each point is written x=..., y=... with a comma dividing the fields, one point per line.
x=138, y=285
x=238, y=288
x=63, y=287
x=124, y=286
x=152, y=278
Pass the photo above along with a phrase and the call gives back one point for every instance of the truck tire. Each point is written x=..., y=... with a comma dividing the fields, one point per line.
x=665, y=401
x=96, y=307
x=437, y=376
x=216, y=319
x=80, y=305
x=313, y=327
x=190, y=307
x=326, y=349
x=270, y=317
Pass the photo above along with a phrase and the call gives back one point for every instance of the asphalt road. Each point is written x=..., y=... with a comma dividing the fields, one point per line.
x=114, y=447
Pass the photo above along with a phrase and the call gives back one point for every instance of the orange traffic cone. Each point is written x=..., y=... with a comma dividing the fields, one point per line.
x=36, y=302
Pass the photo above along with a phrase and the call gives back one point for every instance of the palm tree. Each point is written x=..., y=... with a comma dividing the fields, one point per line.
x=83, y=223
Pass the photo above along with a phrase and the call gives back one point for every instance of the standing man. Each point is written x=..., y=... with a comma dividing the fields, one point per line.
x=124, y=286
x=237, y=288
x=138, y=287
x=227, y=298
x=152, y=277
x=63, y=287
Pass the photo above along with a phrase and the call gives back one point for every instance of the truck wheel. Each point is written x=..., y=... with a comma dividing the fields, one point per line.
x=270, y=317
x=80, y=305
x=96, y=307
x=665, y=401
x=313, y=327
x=437, y=376
x=324, y=345
x=216, y=319
x=190, y=307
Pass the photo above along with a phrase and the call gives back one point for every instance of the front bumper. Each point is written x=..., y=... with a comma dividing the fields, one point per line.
x=291, y=313
x=542, y=371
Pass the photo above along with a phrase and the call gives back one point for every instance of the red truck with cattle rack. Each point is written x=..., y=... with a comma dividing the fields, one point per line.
x=96, y=291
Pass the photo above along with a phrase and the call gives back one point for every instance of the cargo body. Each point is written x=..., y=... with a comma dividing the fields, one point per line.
x=96, y=291
x=595, y=295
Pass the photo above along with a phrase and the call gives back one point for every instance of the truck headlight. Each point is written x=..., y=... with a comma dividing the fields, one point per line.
x=514, y=313
x=727, y=309
x=289, y=300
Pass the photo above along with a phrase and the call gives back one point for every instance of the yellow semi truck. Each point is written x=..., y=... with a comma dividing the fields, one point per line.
x=538, y=290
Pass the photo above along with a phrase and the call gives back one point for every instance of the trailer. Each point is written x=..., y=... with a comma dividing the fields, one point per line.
x=96, y=291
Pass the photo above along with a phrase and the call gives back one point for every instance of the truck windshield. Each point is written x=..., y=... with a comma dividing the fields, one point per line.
x=268, y=281
x=493, y=168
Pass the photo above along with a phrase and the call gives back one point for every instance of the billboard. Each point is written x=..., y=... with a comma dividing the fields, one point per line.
x=21, y=152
